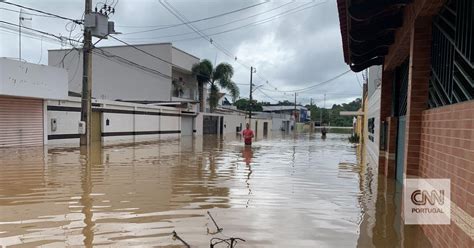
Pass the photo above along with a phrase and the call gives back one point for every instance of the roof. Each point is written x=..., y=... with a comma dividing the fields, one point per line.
x=282, y=108
x=368, y=30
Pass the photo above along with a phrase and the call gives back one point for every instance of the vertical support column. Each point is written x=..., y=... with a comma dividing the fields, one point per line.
x=391, y=151
x=387, y=156
x=417, y=96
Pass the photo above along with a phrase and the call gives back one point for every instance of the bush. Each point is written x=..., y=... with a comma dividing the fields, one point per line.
x=354, y=138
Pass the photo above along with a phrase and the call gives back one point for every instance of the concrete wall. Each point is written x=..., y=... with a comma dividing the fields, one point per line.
x=372, y=140
x=32, y=80
x=182, y=59
x=257, y=126
x=115, y=79
x=120, y=122
x=278, y=120
x=230, y=122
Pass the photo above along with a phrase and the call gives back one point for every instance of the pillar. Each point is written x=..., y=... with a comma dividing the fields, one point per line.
x=417, y=95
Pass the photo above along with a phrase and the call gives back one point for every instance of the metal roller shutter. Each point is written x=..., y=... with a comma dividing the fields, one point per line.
x=21, y=122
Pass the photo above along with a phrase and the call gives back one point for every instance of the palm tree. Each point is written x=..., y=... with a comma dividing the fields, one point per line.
x=218, y=78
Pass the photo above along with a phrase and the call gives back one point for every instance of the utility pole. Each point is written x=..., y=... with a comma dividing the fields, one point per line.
x=86, y=105
x=321, y=112
x=252, y=71
x=295, y=109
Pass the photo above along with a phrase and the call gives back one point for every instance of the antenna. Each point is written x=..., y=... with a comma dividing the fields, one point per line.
x=21, y=18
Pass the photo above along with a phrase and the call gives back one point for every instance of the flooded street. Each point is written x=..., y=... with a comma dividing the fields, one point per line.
x=285, y=191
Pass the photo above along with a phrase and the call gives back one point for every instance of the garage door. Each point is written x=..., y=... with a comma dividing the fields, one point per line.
x=187, y=125
x=21, y=122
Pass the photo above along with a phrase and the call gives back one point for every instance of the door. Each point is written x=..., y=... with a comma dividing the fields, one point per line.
x=265, y=128
x=400, y=156
x=221, y=129
x=187, y=125
x=21, y=122
x=209, y=124
x=96, y=126
x=256, y=128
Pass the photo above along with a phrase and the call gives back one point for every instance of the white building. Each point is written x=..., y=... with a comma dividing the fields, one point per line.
x=24, y=89
x=128, y=74
x=372, y=140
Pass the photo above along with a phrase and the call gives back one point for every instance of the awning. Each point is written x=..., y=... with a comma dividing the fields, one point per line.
x=368, y=30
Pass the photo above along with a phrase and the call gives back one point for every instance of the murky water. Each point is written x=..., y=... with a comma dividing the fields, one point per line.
x=285, y=191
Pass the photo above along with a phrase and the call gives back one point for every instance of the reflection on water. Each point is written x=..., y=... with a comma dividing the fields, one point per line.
x=286, y=191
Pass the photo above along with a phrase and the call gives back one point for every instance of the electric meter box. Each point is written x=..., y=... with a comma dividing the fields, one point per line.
x=82, y=127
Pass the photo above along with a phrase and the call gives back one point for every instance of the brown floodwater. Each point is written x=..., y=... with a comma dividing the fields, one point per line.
x=285, y=191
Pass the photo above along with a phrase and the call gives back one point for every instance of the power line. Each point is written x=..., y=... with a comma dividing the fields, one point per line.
x=199, y=20
x=141, y=50
x=108, y=55
x=263, y=21
x=183, y=19
x=29, y=34
x=61, y=38
x=43, y=12
x=316, y=85
x=32, y=14
x=267, y=95
x=213, y=27
x=358, y=81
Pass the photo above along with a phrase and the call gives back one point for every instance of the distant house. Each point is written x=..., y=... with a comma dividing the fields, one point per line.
x=302, y=113
x=128, y=74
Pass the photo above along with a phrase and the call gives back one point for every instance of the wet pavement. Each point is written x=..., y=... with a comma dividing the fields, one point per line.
x=285, y=191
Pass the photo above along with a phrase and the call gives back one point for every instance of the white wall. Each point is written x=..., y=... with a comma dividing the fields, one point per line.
x=32, y=80
x=373, y=111
x=146, y=119
x=182, y=59
x=114, y=80
x=66, y=121
x=233, y=121
x=230, y=122
x=257, y=126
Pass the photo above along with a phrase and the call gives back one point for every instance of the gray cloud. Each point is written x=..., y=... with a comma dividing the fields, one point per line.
x=291, y=52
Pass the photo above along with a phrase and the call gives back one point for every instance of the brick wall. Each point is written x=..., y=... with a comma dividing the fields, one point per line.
x=447, y=151
x=418, y=81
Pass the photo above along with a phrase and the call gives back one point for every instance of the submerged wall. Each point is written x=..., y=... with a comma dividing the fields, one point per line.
x=119, y=122
x=447, y=151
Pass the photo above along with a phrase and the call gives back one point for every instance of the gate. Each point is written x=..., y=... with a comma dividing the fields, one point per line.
x=209, y=124
x=400, y=157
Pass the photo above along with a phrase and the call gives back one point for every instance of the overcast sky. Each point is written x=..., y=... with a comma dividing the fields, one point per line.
x=294, y=49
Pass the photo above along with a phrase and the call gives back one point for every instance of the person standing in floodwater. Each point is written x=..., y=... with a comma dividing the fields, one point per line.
x=248, y=135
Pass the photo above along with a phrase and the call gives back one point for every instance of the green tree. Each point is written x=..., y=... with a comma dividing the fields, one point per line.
x=218, y=78
x=332, y=116
x=243, y=104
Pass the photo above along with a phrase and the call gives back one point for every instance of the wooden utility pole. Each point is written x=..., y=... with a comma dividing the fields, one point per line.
x=86, y=105
x=321, y=111
x=295, y=109
x=250, y=105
